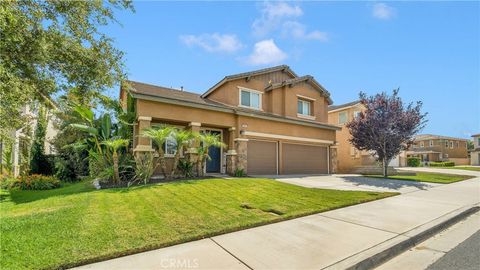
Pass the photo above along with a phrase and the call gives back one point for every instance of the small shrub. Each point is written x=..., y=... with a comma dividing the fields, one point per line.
x=186, y=167
x=442, y=164
x=144, y=167
x=413, y=162
x=32, y=182
x=239, y=173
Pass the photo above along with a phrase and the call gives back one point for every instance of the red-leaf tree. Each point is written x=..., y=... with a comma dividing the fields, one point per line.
x=386, y=127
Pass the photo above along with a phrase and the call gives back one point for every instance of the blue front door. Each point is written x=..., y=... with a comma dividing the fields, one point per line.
x=213, y=164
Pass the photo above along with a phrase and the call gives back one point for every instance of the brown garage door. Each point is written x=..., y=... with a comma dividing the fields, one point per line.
x=304, y=159
x=261, y=157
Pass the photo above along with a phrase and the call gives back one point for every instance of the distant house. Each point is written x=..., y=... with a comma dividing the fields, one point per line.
x=430, y=148
x=350, y=159
x=475, y=153
x=15, y=153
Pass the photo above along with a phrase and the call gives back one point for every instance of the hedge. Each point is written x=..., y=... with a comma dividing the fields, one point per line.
x=442, y=164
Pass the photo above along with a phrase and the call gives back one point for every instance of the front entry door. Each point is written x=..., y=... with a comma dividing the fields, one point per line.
x=213, y=164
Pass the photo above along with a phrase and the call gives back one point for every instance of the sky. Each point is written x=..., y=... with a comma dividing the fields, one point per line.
x=430, y=50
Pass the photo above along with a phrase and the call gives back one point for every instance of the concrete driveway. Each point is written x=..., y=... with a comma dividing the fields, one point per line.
x=354, y=182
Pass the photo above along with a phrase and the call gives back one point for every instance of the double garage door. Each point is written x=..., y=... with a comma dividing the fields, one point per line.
x=263, y=158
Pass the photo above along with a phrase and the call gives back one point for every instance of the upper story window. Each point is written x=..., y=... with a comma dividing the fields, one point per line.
x=304, y=107
x=430, y=143
x=342, y=117
x=451, y=144
x=422, y=145
x=458, y=144
x=250, y=99
x=356, y=114
x=446, y=144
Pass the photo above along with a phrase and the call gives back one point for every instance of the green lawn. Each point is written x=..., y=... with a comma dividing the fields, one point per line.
x=477, y=169
x=439, y=178
x=76, y=224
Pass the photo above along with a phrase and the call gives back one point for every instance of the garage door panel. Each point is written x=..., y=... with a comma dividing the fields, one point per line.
x=261, y=157
x=304, y=159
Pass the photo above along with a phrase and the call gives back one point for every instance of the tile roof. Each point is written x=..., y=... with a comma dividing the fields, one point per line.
x=336, y=107
x=433, y=137
x=190, y=97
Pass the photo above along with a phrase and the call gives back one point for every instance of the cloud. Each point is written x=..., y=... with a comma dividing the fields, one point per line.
x=383, y=11
x=294, y=29
x=215, y=42
x=272, y=16
x=266, y=52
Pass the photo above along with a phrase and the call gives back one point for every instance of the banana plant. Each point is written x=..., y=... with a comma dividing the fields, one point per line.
x=115, y=145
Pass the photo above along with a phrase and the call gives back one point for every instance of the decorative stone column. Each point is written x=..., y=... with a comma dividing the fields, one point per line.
x=241, y=146
x=333, y=159
x=231, y=152
x=191, y=154
x=144, y=144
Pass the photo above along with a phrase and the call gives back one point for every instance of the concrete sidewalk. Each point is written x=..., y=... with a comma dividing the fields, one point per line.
x=437, y=170
x=327, y=240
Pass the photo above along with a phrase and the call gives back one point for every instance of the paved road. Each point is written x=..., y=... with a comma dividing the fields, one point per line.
x=465, y=256
x=436, y=170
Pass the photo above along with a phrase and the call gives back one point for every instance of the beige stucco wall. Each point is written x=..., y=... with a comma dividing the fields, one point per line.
x=439, y=146
x=348, y=156
x=280, y=101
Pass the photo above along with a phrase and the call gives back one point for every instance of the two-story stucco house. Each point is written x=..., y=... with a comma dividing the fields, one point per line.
x=430, y=147
x=475, y=153
x=349, y=158
x=272, y=120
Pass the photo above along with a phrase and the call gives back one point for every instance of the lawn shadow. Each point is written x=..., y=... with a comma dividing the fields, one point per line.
x=385, y=183
x=26, y=196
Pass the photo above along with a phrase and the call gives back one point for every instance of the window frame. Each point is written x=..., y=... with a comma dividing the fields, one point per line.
x=451, y=144
x=165, y=154
x=346, y=117
x=250, y=91
x=422, y=144
x=446, y=143
x=356, y=114
x=430, y=143
x=305, y=102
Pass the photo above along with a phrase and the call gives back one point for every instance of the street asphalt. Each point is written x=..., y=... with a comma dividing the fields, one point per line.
x=465, y=256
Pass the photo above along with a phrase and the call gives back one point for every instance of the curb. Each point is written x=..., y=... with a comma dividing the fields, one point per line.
x=415, y=237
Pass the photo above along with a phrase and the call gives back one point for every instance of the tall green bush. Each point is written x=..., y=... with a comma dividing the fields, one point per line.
x=39, y=163
x=413, y=162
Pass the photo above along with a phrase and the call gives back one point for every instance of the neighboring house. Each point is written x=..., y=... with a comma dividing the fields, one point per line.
x=350, y=159
x=475, y=153
x=430, y=147
x=16, y=152
x=272, y=121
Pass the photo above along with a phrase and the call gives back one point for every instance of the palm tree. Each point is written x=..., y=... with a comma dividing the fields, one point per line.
x=207, y=140
x=115, y=145
x=159, y=136
x=182, y=138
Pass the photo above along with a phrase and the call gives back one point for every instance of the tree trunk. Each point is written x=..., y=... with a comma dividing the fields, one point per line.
x=116, y=174
x=163, y=164
x=385, y=168
x=175, y=163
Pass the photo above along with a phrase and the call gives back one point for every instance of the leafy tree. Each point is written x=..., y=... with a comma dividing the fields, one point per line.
x=386, y=127
x=470, y=145
x=54, y=46
x=39, y=162
x=159, y=136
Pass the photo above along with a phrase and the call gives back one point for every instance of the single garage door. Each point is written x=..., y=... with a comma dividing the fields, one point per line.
x=304, y=159
x=261, y=157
